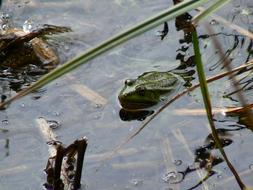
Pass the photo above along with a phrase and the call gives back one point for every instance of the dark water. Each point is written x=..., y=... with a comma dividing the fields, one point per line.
x=170, y=144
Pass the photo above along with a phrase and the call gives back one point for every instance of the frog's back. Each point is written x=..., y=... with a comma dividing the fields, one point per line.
x=160, y=81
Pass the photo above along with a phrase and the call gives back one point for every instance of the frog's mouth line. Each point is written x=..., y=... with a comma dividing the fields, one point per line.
x=127, y=105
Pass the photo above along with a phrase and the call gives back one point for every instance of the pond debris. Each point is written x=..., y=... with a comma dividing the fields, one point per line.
x=65, y=168
x=89, y=94
x=6, y=151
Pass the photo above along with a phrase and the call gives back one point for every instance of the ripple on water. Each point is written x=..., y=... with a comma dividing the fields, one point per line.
x=53, y=124
x=136, y=182
x=172, y=177
x=178, y=162
x=5, y=121
x=251, y=167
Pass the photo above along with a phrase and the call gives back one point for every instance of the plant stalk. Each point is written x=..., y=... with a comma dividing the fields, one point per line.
x=208, y=106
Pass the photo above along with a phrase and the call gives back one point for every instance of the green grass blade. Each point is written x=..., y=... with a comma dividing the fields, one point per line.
x=138, y=29
x=201, y=75
x=208, y=107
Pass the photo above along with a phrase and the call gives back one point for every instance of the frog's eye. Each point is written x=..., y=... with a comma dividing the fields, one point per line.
x=129, y=82
x=141, y=90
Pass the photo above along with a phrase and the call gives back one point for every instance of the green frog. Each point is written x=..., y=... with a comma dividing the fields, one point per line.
x=149, y=89
x=22, y=46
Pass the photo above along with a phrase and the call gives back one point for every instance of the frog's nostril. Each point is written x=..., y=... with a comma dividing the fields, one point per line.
x=141, y=90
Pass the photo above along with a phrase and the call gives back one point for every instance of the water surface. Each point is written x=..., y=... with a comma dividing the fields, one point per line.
x=167, y=145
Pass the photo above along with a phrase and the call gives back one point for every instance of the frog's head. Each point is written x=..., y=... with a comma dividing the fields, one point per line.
x=136, y=96
x=146, y=90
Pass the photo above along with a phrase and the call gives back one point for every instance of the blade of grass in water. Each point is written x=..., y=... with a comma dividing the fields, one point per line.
x=138, y=29
x=208, y=107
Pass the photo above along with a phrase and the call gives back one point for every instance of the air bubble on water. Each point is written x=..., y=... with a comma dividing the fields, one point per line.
x=97, y=116
x=66, y=47
x=5, y=27
x=163, y=98
x=5, y=122
x=172, y=177
x=177, y=162
x=246, y=12
x=214, y=22
x=22, y=105
x=5, y=16
x=98, y=105
x=194, y=165
x=5, y=21
x=251, y=166
x=6, y=71
x=219, y=176
x=28, y=26
x=55, y=113
x=53, y=124
x=136, y=182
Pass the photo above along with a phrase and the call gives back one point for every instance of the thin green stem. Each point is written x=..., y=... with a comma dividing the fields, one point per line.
x=208, y=107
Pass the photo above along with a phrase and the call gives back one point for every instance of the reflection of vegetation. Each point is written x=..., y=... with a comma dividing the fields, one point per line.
x=205, y=159
x=245, y=85
x=237, y=42
x=165, y=31
x=7, y=147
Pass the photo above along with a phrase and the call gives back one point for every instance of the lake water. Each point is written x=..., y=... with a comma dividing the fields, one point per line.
x=173, y=142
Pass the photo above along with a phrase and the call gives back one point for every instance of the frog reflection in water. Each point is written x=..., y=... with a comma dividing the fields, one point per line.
x=20, y=47
x=147, y=90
